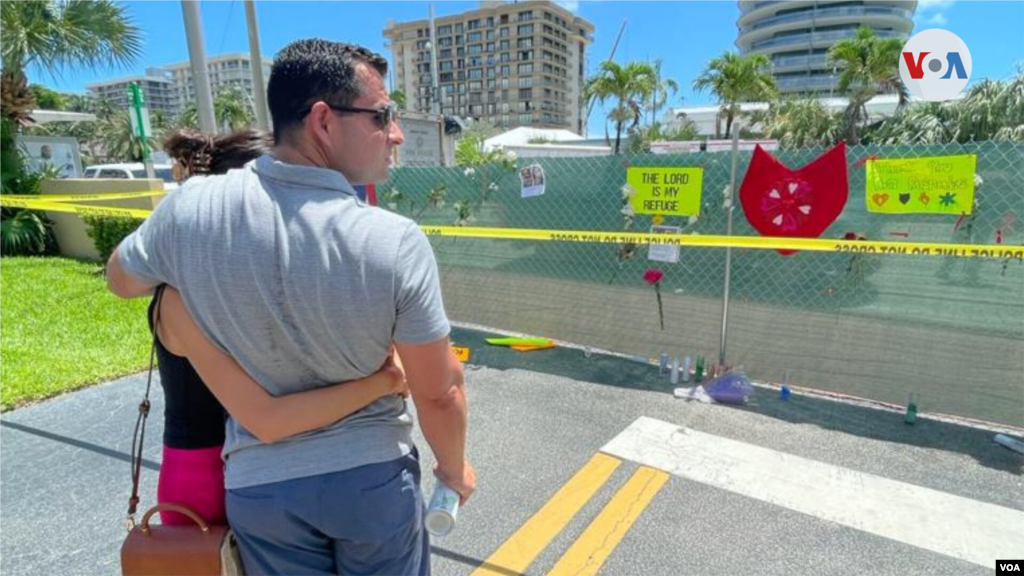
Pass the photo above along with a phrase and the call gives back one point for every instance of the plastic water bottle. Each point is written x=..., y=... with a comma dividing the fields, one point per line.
x=686, y=369
x=911, y=416
x=662, y=362
x=698, y=373
x=784, y=393
x=674, y=377
x=443, y=510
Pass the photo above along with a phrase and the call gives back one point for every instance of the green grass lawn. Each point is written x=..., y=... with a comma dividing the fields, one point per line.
x=62, y=329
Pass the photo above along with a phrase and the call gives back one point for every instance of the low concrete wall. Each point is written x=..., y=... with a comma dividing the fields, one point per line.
x=69, y=228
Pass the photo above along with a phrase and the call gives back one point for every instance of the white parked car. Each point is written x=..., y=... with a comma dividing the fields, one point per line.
x=132, y=171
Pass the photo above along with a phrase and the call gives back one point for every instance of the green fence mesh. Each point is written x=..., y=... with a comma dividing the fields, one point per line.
x=949, y=330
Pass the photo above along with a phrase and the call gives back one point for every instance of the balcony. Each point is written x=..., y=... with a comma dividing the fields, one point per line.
x=822, y=13
x=814, y=38
x=783, y=63
x=751, y=6
x=801, y=83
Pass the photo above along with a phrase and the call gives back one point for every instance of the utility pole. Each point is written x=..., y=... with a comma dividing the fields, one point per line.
x=197, y=56
x=256, y=61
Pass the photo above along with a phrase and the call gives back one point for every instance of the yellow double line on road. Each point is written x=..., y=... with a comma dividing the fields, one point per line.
x=586, y=556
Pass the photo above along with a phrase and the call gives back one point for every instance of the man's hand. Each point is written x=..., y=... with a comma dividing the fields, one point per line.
x=393, y=368
x=463, y=482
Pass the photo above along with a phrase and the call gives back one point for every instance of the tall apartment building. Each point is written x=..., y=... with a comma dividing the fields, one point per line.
x=158, y=90
x=796, y=35
x=224, y=71
x=508, y=64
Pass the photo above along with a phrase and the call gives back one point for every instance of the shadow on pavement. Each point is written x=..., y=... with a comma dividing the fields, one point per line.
x=860, y=421
x=148, y=464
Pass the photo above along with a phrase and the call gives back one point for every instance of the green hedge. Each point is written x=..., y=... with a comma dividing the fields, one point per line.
x=108, y=231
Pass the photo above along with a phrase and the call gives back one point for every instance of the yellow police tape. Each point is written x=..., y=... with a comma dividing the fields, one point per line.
x=590, y=236
x=751, y=242
x=75, y=208
x=82, y=197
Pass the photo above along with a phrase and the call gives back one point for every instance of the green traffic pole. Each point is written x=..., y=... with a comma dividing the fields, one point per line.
x=136, y=97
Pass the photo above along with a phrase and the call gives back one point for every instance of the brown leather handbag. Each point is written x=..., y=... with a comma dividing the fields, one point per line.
x=158, y=550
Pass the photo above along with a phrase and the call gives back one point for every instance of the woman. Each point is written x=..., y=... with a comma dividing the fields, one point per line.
x=200, y=381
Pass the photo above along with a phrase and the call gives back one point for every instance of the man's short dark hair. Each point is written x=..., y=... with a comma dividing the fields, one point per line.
x=308, y=71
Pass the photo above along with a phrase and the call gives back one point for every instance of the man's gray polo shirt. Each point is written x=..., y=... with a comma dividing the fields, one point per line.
x=288, y=272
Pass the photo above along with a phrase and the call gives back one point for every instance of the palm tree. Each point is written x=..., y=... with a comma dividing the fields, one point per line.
x=631, y=85
x=232, y=109
x=991, y=110
x=54, y=35
x=662, y=87
x=870, y=65
x=734, y=79
x=119, y=140
x=188, y=117
x=399, y=98
x=47, y=99
x=800, y=123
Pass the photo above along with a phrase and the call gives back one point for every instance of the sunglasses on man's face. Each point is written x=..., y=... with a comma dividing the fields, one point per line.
x=385, y=115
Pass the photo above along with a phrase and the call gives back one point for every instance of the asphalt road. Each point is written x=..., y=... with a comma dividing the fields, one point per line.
x=64, y=479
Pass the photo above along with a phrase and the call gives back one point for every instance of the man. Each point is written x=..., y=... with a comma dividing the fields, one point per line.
x=286, y=270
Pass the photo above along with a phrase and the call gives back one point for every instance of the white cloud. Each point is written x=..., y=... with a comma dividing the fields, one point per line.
x=932, y=12
x=938, y=5
x=570, y=5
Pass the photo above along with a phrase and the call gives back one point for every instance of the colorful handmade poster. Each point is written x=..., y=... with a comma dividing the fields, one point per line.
x=928, y=185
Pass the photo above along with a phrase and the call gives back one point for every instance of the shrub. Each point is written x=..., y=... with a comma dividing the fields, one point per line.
x=108, y=231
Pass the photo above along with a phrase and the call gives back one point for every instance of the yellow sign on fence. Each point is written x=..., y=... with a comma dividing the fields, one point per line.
x=928, y=185
x=670, y=191
x=461, y=352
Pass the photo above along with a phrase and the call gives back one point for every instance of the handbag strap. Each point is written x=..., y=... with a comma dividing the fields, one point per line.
x=139, y=435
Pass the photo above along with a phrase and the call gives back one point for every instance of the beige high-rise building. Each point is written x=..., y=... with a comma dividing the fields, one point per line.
x=507, y=63
x=224, y=71
x=158, y=91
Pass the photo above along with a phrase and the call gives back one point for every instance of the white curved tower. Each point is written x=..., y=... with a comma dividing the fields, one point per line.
x=796, y=34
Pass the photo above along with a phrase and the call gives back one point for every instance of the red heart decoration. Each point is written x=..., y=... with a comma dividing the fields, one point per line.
x=778, y=201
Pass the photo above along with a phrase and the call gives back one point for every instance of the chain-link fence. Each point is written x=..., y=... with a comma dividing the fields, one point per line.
x=950, y=330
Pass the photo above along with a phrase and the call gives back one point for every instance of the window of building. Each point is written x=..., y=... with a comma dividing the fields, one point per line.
x=444, y=30
x=473, y=24
x=525, y=69
x=503, y=33
x=458, y=28
x=526, y=94
x=526, y=118
x=525, y=81
x=524, y=30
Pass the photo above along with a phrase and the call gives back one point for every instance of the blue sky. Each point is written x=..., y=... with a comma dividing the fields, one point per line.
x=685, y=35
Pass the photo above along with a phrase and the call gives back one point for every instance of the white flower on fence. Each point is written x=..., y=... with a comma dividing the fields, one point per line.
x=469, y=172
x=493, y=186
x=627, y=191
